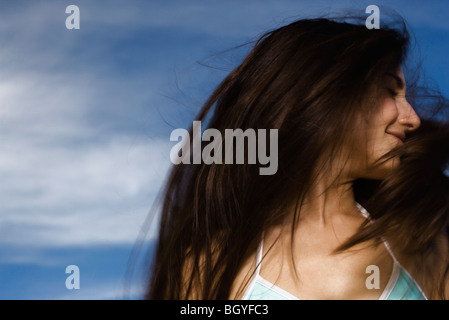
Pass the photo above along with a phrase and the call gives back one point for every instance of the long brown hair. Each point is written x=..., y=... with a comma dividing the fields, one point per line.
x=311, y=79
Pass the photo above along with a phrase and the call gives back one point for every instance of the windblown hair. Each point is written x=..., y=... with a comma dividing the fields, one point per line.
x=412, y=205
x=313, y=80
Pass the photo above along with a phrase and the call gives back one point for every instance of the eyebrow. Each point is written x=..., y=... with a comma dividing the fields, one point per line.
x=399, y=81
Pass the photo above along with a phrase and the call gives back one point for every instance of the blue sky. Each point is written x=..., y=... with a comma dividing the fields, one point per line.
x=85, y=119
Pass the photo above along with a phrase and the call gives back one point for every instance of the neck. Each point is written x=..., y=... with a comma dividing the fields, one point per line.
x=328, y=200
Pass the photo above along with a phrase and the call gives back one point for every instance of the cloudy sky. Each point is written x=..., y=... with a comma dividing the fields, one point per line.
x=86, y=115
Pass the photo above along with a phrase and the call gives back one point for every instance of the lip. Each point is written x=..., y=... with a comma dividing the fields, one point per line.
x=399, y=135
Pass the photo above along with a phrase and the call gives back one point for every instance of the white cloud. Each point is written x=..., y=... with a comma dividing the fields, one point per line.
x=56, y=195
x=65, y=182
x=67, y=176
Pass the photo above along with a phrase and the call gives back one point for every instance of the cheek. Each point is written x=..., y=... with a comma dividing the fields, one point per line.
x=378, y=143
x=375, y=143
x=388, y=113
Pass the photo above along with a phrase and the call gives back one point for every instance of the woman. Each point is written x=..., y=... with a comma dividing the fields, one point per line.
x=350, y=212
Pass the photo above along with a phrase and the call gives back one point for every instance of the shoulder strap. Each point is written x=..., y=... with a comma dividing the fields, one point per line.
x=259, y=256
x=366, y=214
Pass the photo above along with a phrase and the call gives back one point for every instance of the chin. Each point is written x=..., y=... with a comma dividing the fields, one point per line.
x=384, y=171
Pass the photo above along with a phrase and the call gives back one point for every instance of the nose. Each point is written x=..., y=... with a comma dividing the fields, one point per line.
x=408, y=117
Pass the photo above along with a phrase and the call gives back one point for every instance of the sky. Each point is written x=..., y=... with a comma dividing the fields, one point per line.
x=86, y=116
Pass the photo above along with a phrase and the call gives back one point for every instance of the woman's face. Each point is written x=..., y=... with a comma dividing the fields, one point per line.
x=388, y=128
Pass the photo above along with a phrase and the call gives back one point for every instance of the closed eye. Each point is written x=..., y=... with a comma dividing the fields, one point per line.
x=393, y=93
